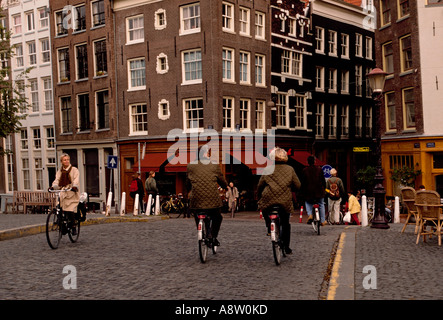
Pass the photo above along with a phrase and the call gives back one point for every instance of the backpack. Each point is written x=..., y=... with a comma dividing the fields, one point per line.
x=134, y=186
x=334, y=191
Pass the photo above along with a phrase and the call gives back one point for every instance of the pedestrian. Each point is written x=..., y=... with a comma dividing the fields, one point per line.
x=354, y=208
x=203, y=178
x=137, y=188
x=336, y=195
x=151, y=189
x=232, y=197
x=275, y=188
x=68, y=177
x=313, y=189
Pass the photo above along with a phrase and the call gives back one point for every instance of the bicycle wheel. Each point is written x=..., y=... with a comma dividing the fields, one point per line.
x=53, y=230
x=318, y=226
x=74, y=238
x=277, y=249
x=202, y=246
x=165, y=208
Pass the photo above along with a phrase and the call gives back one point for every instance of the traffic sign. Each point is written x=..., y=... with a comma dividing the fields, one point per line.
x=112, y=162
x=327, y=170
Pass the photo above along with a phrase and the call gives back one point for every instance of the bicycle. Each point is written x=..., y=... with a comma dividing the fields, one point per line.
x=342, y=212
x=59, y=223
x=275, y=231
x=316, y=222
x=204, y=241
x=173, y=205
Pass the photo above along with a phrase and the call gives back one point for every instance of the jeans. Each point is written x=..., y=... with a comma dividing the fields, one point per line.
x=310, y=207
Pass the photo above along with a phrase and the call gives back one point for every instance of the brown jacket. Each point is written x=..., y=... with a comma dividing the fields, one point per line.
x=276, y=188
x=203, y=181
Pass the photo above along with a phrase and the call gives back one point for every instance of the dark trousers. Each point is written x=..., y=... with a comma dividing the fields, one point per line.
x=285, y=225
x=216, y=218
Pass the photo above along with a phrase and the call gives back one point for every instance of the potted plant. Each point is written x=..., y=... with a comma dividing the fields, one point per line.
x=405, y=176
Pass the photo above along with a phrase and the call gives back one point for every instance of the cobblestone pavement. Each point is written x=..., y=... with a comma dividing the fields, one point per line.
x=159, y=260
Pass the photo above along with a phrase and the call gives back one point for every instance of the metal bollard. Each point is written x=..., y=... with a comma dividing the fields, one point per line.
x=123, y=204
x=364, y=211
x=397, y=210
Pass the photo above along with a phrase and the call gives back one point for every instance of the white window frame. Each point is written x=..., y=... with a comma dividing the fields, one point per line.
x=33, y=87
x=142, y=69
x=36, y=138
x=260, y=115
x=135, y=117
x=358, y=45
x=244, y=67
x=45, y=49
x=184, y=29
x=47, y=92
x=282, y=104
x=228, y=64
x=43, y=17
x=17, y=24
x=161, y=104
x=345, y=82
x=30, y=21
x=198, y=119
x=245, y=115
x=160, y=21
x=228, y=105
x=320, y=78
x=344, y=122
x=162, y=66
x=345, y=46
x=319, y=40
x=19, y=62
x=244, y=22
x=300, y=112
x=292, y=63
x=32, y=54
x=135, y=30
x=332, y=121
x=193, y=62
x=260, y=70
x=260, y=25
x=368, y=48
x=358, y=121
x=228, y=17
x=319, y=121
x=332, y=87
x=332, y=43
x=50, y=137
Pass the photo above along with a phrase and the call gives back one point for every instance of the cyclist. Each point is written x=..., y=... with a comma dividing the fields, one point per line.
x=67, y=177
x=203, y=178
x=314, y=187
x=275, y=188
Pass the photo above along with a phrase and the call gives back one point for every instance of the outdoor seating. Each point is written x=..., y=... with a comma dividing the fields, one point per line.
x=408, y=196
x=430, y=214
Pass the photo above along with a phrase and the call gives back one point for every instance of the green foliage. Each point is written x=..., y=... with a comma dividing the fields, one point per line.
x=366, y=178
x=406, y=176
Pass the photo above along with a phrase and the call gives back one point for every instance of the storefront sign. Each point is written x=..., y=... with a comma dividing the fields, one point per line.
x=430, y=145
x=360, y=149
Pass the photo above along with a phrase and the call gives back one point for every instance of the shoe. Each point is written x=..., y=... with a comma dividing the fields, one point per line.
x=215, y=242
x=288, y=251
x=324, y=223
x=310, y=219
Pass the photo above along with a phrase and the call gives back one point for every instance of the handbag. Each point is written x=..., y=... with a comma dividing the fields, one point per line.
x=347, y=217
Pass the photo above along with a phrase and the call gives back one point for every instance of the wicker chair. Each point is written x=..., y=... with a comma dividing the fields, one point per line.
x=429, y=212
x=408, y=196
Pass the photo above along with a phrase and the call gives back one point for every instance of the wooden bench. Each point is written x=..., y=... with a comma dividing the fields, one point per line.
x=21, y=200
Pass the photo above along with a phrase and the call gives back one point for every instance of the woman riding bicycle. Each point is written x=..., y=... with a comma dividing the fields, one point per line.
x=67, y=177
x=275, y=188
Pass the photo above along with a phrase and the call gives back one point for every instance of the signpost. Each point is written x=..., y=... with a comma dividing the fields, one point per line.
x=327, y=170
x=112, y=164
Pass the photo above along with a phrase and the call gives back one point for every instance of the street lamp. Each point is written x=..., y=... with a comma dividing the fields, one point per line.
x=377, y=79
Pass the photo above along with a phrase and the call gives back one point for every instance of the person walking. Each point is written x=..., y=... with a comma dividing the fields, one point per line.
x=151, y=189
x=137, y=188
x=313, y=189
x=275, y=188
x=232, y=197
x=335, y=196
x=354, y=208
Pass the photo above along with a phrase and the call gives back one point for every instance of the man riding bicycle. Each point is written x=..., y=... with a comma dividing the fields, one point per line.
x=275, y=188
x=203, y=178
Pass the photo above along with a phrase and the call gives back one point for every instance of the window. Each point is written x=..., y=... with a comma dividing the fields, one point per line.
x=26, y=176
x=47, y=91
x=61, y=26
x=30, y=21
x=135, y=30
x=332, y=41
x=100, y=58
x=300, y=112
x=406, y=53
x=319, y=78
x=38, y=165
x=259, y=25
x=291, y=63
x=79, y=18
x=245, y=25
x=63, y=65
x=34, y=95
x=137, y=74
x=102, y=105
x=162, y=64
x=139, y=119
x=368, y=87
x=193, y=117
x=190, y=18
x=344, y=82
x=344, y=46
x=9, y=163
x=245, y=76
x=358, y=45
x=260, y=115
x=228, y=65
x=228, y=113
x=358, y=121
x=388, y=58
x=192, y=66
x=50, y=138
x=83, y=111
x=282, y=110
x=368, y=48
x=163, y=110
x=245, y=121
x=98, y=13
x=24, y=139
x=408, y=108
x=260, y=76
x=358, y=80
x=66, y=114
x=344, y=122
x=32, y=53
x=319, y=120
x=17, y=24
x=368, y=122
x=37, y=139
x=332, y=80
x=44, y=17
x=319, y=40
x=228, y=17
x=403, y=8
x=46, y=50
x=385, y=12
x=390, y=111
x=332, y=124
x=19, y=55
x=160, y=19
x=82, y=61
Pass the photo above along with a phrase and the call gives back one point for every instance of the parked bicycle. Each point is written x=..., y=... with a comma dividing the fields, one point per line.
x=275, y=230
x=203, y=234
x=173, y=205
x=59, y=223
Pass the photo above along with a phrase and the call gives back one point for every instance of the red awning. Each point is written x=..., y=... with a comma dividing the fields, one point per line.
x=253, y=159
x=151, y=162
x=302, y=157
x=179, y=164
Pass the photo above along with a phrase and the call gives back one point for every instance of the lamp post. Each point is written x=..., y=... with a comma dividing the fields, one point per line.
x=377, y=79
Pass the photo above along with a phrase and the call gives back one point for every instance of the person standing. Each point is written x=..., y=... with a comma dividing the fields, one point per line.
x=137, y=188
x=335, y=196
x=313, y=189
x=232, y=196
x=151, y=189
